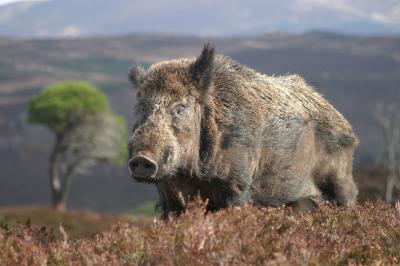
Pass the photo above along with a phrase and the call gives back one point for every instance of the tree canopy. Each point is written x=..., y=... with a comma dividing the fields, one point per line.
x=55, y=103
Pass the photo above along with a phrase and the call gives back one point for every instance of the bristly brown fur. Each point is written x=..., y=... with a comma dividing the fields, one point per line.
x=243, y=136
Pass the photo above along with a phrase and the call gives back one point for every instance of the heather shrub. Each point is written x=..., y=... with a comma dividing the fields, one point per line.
x=364, y=234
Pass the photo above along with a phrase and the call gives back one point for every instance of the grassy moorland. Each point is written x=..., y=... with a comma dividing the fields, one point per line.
x=365, y=234
x=77, y=224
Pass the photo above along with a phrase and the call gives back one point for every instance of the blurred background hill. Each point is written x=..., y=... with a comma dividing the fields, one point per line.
x=43, y=42
x=73, y=18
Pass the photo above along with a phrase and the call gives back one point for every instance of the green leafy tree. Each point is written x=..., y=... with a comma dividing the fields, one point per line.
x=86, y=132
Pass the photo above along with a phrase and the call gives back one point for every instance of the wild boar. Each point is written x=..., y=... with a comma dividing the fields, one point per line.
x=212, y=127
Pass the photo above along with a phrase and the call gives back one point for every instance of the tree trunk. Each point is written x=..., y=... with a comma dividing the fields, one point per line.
x=390, y=182
x=60, y=206
x=56, y=179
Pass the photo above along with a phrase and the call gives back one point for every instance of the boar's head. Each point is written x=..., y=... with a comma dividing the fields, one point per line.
x=171, y=99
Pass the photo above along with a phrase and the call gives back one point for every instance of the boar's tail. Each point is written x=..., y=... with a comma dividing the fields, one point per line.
x=336, y=136
x=347, y=140
x=341, y=140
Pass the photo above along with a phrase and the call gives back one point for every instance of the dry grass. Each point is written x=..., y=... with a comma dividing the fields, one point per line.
x=365, y=234
x=77, y=224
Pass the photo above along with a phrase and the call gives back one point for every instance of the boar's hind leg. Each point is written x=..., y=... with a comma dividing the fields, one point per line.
x=305, y=204
x=345, y=190
x=339, y=185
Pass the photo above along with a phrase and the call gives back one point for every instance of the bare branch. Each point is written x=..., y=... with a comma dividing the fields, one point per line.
x=388, y=116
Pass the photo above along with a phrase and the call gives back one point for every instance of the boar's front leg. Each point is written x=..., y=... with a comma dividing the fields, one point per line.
x=239, y=180
x=241, y=191
x=169, y=200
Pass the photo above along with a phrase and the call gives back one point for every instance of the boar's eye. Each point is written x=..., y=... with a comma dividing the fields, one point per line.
x=140, y=111
x=142, y=108
x=179, y=110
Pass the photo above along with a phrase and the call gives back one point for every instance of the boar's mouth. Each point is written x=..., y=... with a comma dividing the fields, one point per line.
x=146, y=180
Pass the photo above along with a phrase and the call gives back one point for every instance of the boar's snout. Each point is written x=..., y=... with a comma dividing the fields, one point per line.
x=142, y=168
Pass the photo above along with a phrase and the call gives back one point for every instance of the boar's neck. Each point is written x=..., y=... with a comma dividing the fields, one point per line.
x=208, y=138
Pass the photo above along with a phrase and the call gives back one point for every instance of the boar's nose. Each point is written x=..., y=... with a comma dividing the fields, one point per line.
x=142, y=167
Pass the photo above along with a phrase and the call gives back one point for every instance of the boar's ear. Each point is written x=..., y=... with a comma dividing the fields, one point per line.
x=137, y=74
x=203, y=67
